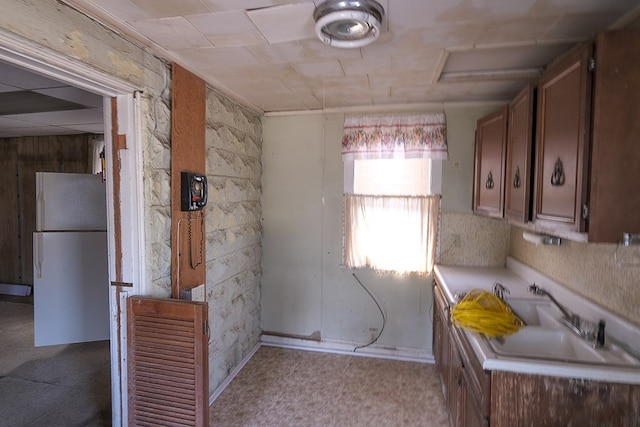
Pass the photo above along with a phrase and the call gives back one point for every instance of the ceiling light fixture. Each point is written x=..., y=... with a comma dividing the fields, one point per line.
x=348, y=23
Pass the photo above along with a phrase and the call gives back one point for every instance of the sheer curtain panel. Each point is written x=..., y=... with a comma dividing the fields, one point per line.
x=395, y=234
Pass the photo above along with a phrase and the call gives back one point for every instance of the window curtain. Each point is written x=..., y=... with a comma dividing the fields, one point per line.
x=396, y=234
x=395, y=137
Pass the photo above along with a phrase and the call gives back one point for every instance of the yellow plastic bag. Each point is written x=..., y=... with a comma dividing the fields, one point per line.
x=483, y=312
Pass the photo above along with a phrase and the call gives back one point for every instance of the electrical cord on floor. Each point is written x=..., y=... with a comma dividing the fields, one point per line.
x=384, y=318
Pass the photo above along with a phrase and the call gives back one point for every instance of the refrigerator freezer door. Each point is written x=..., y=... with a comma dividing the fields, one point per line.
x=71, y=287
x=70, y=202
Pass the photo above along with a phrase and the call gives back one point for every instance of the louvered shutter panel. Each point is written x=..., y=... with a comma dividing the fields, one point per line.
x=167, y=362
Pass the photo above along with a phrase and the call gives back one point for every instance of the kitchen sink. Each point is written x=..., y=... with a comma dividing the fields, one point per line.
x=536, y=342
x=545, y=337
x=533, y=313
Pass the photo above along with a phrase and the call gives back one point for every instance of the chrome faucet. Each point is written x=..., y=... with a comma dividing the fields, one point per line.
x=499, y=290
x=571, y=320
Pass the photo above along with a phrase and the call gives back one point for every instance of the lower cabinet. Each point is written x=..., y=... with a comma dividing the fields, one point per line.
x=475, y=397
x=466, y=387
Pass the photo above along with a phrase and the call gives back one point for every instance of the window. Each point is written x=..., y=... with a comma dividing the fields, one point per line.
x=391, y=211
x=392, y=184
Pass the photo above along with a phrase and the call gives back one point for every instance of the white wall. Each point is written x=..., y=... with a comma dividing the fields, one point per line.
x=305, y=292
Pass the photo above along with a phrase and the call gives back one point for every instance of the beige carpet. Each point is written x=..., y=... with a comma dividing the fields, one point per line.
x=283, y=387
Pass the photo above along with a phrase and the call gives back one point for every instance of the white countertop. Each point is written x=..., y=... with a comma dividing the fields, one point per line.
x=517, y=277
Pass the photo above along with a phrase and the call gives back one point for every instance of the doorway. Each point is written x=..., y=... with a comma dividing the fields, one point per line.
x=124, y=207
x=45, y=126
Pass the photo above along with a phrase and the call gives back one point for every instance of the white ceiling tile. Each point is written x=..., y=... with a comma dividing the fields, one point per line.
x=73, y=94
x=423, y=61
x=377, y=65
x=236, y=40
x=8, y=88
x=62, y=118
x=319, y=68
x=217, y=40
x=578, y=26
x=222, y=5
x=18, y=77
x=172, y=33
x=558, y=7
x=515, y=30
x=318, y=50
x=221, y=58
x=453, y=36
x=87, y=127
x=233, y=22
x=518, y=57
x=284, y=23
x=279, y=53
x=475, y=10
x=165, y=9
x=358, y=84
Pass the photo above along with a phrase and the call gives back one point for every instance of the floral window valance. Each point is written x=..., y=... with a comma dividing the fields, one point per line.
x=395, y=137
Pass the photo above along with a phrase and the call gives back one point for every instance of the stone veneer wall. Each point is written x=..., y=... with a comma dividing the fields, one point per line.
x=588, y=269
x=156, y=113
x=234, y=233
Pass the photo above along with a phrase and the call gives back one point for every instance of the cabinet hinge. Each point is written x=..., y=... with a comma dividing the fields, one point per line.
x=592, y=64
x=585, y=211
x=205, y=329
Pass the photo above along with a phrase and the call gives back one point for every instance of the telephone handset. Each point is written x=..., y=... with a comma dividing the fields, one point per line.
x=194, y=191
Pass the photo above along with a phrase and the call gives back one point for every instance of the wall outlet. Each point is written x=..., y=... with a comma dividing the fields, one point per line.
x=455, y=240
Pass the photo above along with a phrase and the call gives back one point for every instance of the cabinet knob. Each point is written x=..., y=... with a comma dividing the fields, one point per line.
x=557, y=178
x=489, y=183
x=516, y=179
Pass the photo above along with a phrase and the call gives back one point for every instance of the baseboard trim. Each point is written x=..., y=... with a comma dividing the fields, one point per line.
x=218, y=391
x=343, y=347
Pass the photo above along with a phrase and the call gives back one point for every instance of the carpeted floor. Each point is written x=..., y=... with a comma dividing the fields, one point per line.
x=64, y=385
x=283, y=387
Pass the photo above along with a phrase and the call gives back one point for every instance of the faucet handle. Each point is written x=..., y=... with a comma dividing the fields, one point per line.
x=499, y=290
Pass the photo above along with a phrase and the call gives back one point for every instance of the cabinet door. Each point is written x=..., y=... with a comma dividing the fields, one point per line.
x=491, y=143
x=457, y=390
x=472, y=412
x=441, y=342
x=615, y=200
x=562, y=136
x=519, y=158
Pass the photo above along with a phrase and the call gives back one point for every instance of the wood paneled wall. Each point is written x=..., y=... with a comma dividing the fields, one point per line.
x=188, y=142
x=20, y=160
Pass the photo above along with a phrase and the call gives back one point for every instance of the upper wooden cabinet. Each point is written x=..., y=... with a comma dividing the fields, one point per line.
x=587, y=142
x=491, y=138
x=518, y=179
x=562, y=138
x=614, y=204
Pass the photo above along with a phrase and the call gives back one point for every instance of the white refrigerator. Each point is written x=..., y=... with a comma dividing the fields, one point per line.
x=71, y=278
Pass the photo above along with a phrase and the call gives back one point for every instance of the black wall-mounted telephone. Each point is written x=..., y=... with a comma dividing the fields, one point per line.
x=194, y=191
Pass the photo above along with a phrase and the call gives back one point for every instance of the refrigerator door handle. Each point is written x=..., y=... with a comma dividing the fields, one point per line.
x=40, y=206
x=37, y=261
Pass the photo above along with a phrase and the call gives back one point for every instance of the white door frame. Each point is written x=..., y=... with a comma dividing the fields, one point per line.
x=36, y=58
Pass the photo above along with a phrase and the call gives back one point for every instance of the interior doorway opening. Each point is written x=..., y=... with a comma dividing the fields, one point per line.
x=124, y=206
